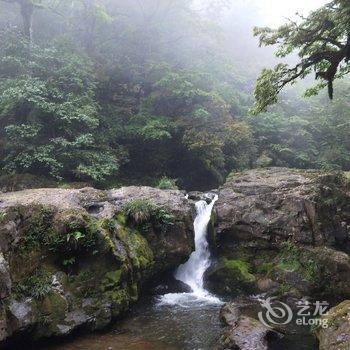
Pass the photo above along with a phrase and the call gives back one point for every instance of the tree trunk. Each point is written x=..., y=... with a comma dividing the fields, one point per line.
x=27, y=9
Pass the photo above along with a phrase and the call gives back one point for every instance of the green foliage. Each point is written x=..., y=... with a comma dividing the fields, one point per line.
x=2, y=217
x=128, y=98
x=323, y=46
x=37, y=285
x=304, y=134
x=40, y=231
x=166, y=183
x=48, y=112
x=293, y=258
x=162, y=216
x=110, y=225
x=141, y=211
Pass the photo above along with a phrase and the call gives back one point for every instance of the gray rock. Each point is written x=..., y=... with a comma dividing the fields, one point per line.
x=22, y=315
x=244, y=332
x=87, y=282
x=265, y=206
x=335, y=335
x=5, y=280
x=259, y=210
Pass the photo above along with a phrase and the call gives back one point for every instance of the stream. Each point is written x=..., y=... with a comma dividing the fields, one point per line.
x=175, y=321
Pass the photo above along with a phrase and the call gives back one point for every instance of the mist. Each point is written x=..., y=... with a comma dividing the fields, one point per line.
x=174, y=174
x=164, y=83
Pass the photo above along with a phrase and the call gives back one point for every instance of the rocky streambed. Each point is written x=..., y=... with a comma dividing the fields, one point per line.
x=76, y=260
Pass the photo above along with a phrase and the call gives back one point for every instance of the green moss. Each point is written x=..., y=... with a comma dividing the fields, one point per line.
x=293, y=258
x=110, y=225
x=53, y=310
x=54, y=305
x=119, y=297
x=111, y=280
x=133, y=291
x=265, y=268
x=139, y=249
x=121, y=218
x=241, y=270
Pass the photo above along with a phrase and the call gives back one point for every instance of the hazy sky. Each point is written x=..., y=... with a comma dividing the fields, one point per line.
x=275, y=11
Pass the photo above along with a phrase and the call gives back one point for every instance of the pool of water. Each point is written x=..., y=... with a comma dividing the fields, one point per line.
x=153, y=325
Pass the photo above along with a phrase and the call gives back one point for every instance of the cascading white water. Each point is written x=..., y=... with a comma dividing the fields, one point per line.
x=192, y=271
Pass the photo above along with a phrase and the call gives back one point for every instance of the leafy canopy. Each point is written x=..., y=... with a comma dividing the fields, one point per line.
x=323, y=43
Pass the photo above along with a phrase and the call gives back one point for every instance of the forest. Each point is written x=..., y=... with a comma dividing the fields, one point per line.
x=174, y=174
x=161, y=93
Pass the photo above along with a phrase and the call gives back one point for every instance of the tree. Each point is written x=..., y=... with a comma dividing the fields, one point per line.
x=27, y=9
x=49, y=119
x=323, y=43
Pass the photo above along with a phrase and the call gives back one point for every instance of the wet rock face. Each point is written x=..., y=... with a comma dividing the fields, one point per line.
x=266, y=206
x=291, y=226
x=336, y=336
x=244, y=332
x=230, y=277
x=73, y=259
x=171, y=244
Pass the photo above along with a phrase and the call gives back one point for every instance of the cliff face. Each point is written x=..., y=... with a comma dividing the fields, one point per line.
x=284, y=231
x=77, y=258
x=73, y=259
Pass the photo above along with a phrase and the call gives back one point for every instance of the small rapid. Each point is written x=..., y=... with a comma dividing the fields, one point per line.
x=192, y=271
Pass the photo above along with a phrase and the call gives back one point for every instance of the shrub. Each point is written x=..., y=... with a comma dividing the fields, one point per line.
x=38, y=285
x=166, y=183
x=139, y=211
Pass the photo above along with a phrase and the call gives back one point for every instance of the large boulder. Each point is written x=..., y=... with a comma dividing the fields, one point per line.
x=243, y=332
x=292, y=227
x=75, y=258
x=335, y=335
x=230, y=277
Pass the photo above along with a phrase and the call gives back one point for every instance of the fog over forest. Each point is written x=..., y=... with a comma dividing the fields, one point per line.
x=156, y=89
x=174, y=174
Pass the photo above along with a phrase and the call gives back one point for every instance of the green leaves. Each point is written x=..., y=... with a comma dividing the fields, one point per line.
x=50, y=117
x=322, y=43
x=267, y=87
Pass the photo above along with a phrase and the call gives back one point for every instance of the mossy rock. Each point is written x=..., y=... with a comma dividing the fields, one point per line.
x=231, y=277
x=138, y=248
x=53, y=311
x=240, y=270
x=335, y=334
x=111, y=280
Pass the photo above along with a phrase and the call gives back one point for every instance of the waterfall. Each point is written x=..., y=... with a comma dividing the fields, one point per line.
x=192, y=271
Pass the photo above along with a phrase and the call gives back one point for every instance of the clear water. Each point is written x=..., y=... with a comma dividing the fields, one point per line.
x=154, y=326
